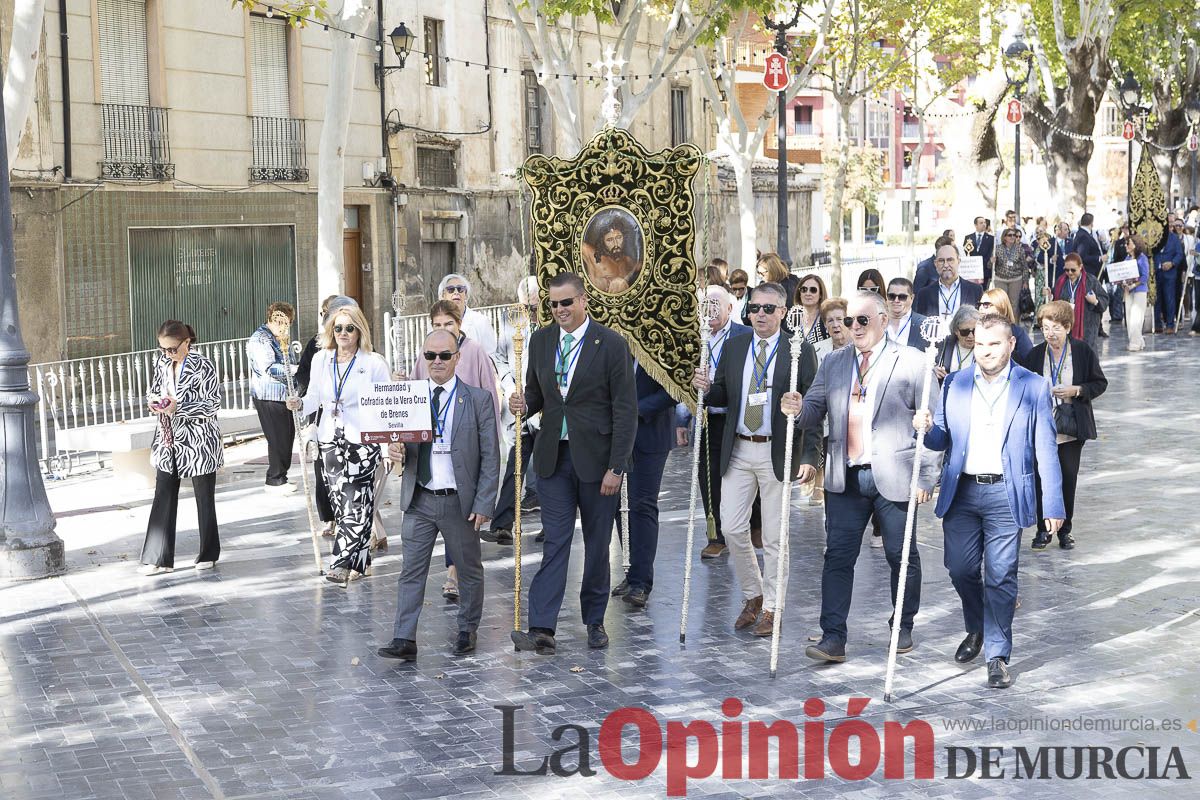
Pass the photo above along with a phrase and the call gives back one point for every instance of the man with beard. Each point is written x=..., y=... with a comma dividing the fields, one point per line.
x=610, y=267
x=951, y=291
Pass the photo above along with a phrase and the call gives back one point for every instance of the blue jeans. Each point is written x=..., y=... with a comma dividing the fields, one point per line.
x=982, y=541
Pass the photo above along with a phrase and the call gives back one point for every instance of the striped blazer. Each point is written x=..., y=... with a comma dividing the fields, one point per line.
x=195, y=446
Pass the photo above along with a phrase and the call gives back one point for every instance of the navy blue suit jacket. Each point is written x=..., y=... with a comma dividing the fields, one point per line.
x=656, y=415
x=1088, y=249
x=926, y=274
x=986, y=246
x=736, y=329
x=927, y=302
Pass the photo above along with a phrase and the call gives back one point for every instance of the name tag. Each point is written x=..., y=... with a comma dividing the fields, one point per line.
x=758, y=398
x=441, y=448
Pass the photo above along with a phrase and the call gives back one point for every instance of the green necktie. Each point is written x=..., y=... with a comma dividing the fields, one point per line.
x=564, y=360
x=753, y=418
x=425, y=449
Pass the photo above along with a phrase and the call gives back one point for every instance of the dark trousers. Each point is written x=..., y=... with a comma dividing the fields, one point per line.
x=710, y=474
x=846, y=515
x=506, y=500
x=1165, y=301
x=321, y=489
x=279, y=426
x=1196, y=303
x=982, y=544
x=562, y=493
x=159, y=548
x=1069, y=454
x=645, y=480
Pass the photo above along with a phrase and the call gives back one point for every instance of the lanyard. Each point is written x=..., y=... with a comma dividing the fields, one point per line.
x=991, y=404
x=961, y=359
x=1056, y=371
x=900, y=333
x=817, y=321
x=949, y=299
x=1072, y=288
x=443, y=414
x=760, y=379
x=339, y=380
x=862, y=374
x=714, y=358
x=570, y=357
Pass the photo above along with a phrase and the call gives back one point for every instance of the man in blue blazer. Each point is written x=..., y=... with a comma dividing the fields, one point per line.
x=983, y=244
x=996, y=423
x=1087, y=246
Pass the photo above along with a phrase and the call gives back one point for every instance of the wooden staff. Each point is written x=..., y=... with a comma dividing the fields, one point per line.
x=795, y=321
x=298, y=421
x=708, y=311
x=933, y=329
x=518, y=320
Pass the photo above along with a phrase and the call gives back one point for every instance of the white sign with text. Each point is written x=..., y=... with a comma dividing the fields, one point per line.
x=970, y=268
x=396, y=412
x=1123, y=271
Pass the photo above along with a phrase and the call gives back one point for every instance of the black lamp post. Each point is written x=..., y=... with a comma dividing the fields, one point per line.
x=402, y=40
x=781, y=169
x=29, y=548
x=1192, y=111
x=1018, y=67
x=1131, y=97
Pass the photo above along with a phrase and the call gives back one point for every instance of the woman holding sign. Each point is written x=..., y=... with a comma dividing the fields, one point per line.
x=1135, y=290
x=342, y=371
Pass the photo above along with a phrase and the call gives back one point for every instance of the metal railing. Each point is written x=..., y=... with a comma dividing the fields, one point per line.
x=415, y=326
x=102, y=390
x=278, y=149
x=137, y=145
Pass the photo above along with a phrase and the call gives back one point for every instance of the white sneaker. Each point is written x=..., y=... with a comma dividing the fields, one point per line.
x=205, y=564
x=282, y=488
x=150, y=569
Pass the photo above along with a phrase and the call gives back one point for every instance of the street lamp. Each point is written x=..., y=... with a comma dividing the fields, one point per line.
x=1192, y=111
x=402, y=40
x=1130, y=92
x=1018, y=67
x=781, y=46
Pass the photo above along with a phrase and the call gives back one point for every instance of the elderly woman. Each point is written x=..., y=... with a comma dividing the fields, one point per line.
x=996, y=301
x=957, y=350
x=810, y=294
x=342, y=371
x=270, y=359
x=185, y=396
x=833, y=317
x=454, y=288
x=1075, y=377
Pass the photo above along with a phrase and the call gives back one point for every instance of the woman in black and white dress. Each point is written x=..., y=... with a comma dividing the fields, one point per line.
x=185, y=396
x=810, y=294
x=342, y=371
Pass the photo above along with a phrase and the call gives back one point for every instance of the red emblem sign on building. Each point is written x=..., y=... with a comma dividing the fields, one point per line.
x=1015, y=112
x=776, y=76
x=1128, y=131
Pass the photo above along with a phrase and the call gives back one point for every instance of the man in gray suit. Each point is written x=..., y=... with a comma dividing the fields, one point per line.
x=452, y=491
x=868, y=392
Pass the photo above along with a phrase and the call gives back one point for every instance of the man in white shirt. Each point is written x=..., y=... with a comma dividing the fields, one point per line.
x=476, y=326
x=903, y=326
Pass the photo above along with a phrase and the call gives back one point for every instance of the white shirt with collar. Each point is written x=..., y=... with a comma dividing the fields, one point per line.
x=897, y=329
x=867, y=406
x=748, y=385
x=441, y=465
x=577, y=337
x=989, y=407
x=367, y=369
x=949, y=299
x=716, y=348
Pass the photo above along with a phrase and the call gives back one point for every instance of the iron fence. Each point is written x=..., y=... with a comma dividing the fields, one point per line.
x=137, y=144
x=278, y=150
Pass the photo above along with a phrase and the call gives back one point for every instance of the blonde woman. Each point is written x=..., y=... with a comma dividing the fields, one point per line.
x=342, y=371
x=995, y=301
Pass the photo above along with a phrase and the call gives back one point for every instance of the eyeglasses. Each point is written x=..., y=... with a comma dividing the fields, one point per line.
x=170, y=351
x=874, y=289
x=344, y=328
x=766, y=308
x=570, y=301
x=984, y=304
x=897, y=296
x=861, y=319
x=810, y=289
x=944, y=262
x=455, y=289
x=443, y=355
x=965, y=332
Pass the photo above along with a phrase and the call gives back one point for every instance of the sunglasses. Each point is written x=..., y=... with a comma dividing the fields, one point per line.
x=861, y=319
x=570, y=301
x=170, y=351
x=344, y=328
x=766, y=308
x=456, y=289
x=874, y=289
x=897, y=296
x=810, y=289
x=965, y=332
x=444, y=355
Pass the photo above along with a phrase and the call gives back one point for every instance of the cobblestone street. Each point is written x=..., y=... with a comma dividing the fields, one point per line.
x=257, y=680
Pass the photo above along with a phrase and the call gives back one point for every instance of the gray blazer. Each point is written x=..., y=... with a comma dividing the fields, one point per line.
x=893, y=440
x=474, y=450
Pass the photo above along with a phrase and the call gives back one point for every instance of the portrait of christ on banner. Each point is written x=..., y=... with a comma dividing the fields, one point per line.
x=612, y=250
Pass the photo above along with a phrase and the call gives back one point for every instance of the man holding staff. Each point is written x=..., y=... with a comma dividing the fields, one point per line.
x=869, y=393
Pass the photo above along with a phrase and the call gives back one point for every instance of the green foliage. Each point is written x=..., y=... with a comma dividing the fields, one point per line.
x=864, y=177
x=298, y=13
x=720, y=12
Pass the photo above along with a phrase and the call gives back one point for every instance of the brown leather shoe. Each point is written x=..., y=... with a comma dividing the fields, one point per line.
x=713, y=550
x=749, y=613
x=766, y=624
x=756, y=538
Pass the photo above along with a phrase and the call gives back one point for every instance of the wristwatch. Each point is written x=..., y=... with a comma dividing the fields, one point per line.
x=618, y=471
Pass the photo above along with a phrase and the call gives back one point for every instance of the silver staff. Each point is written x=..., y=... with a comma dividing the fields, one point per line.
x=795, y=321
x=296, y=349
x=933, y=330
x=708, y=311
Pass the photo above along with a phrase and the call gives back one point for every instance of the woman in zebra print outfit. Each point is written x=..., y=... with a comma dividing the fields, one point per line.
x=185, y=396
x=342, y=371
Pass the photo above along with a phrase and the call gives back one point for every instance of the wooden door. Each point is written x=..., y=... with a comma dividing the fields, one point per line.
x=352, y=264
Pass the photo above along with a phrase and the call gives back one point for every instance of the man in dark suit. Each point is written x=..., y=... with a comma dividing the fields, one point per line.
x=1087, y=246
x=983, y=244
x=951, y=291
x=752, y=377
x=903, y=326
x=448, y=488
x=580, y=378
x=655, y=438
x=926, y=273
x=1060, y=248
x=722, y=330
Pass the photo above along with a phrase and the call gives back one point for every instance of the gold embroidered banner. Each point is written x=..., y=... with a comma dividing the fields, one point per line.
x=622, y=219
x=1148, y=210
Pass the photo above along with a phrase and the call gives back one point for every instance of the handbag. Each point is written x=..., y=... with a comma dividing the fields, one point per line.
x=1065, y=422
x=1026, y=301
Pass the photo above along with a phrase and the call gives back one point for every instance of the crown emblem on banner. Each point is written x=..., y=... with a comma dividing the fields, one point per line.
x=611, y=194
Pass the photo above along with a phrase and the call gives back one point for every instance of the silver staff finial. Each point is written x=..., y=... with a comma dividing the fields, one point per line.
x=934, y=329
x=795, y=318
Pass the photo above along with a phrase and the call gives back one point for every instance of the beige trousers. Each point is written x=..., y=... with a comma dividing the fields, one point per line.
x=750, y=470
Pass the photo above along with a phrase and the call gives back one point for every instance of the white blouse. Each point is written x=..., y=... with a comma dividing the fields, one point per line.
x=367, y=369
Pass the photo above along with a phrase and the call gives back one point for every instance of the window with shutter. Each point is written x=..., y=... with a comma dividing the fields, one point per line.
x=269, y=67
x=124, y=75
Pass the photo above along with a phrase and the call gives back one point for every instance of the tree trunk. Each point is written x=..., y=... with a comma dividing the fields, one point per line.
x=20, y=77
x=743, y=174
x=975, y=151
x=835, y=201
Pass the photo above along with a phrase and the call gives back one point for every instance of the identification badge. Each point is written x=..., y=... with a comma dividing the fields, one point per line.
x=441, y=448
x=758, y=398
x=563, y=391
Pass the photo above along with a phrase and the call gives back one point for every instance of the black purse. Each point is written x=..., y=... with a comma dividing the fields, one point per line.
x=1026, y=301
x=1065, y=422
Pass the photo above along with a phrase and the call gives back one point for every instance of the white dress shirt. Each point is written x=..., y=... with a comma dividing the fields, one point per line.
x=578, y=336
x=368, y=369
x=897, y=329
x=949, y=299
x=748, y=385
x=441, y=466
x=716, y=348
x=867, y=407
x=989, y=405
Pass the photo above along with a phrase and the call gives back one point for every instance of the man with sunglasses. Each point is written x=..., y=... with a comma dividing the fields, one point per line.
x=580, y=377
x=951, y=291
x=750, y=381
x=903, y=326
x=1087, y=297
x=868, y=393
x=449, y=488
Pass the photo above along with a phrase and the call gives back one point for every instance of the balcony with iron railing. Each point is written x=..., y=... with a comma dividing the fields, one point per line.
x=278, y=150
x=137, y=143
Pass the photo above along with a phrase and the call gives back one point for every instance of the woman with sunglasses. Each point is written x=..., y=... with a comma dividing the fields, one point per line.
x=1012, y=264
x=342, y=371
x=957, y=351
x=185, y=396
x=1073, y=370
x=772, y=269
x=871, y=280
x=810, y=294
x=996, y=301
x=1085, y=295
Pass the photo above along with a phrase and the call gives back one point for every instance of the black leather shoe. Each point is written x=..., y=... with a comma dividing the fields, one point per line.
x=1041, y=540
x=465, y=643
x=537, y=640
x=998, y=675
x=905, y=643
x=827, y=650
x=969, y=648
x=497, y=536
x=1066, y=541
x=637, y=597
x=403, y=649
x=621, y=589
x=531, y=503
x=597, y=637
x=504, y=538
